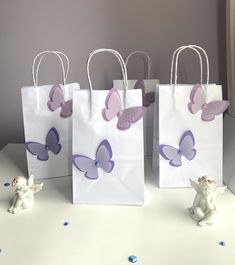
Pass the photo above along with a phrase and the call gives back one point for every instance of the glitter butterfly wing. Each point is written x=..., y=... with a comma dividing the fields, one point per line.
x=186, y=149
x=130, y=115
x=125, y=117
x=41, y=150
x=214, y=108
x=90, y=166
x=209, y=110
x=57, y=100
x=112, y=105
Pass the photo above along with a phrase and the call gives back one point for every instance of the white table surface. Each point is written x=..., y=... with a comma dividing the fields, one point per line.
x=161, y=232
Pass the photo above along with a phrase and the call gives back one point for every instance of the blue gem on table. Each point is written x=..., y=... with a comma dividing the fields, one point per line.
x=132, y=259
x=7, y=184
x=66, y=223
x=222, y=243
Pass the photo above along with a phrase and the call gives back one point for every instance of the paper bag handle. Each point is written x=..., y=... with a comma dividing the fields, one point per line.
x=120, y=59
x=195, y=48
x=174, y=69
x=205, y=55
x=41, y=55
x=147, y=59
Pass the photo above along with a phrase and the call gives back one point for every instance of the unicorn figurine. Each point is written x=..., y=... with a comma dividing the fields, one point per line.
x=204, y=209
x=25, y=190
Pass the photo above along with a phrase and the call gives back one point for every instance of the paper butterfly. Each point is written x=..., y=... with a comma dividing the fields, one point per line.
x=102, y=160
x=125, y=117
x=186, y=149
x=148, y=98
x=209, y=110
x=41, y=150
x=57, y=100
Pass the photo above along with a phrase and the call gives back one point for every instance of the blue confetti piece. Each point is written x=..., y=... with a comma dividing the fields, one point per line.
x=222, y=243
x=66, y=223
x=7, y=184
x=132, y=259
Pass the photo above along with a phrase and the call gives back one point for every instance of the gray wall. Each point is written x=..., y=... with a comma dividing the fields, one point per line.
x=78, y=26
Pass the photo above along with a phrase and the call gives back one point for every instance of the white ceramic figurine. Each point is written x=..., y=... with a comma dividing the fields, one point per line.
x=204, y=205
x=24, y=197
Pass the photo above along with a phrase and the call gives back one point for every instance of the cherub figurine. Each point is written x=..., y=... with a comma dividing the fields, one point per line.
x=204, y=205
x=24, y=197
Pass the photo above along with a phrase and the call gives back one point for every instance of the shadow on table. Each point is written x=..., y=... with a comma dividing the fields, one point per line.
x=16, y=153
x=65, y=188
x=149, y=177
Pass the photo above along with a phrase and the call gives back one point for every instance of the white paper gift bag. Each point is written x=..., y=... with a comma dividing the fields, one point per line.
x=148, y=87
x=47, y=115
x=190, y=129
x=108, y=156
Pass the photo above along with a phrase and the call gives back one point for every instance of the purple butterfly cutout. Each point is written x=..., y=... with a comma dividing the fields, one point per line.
x=125, y=117
x=148, y=98
x=186, y=149
x=209, y=110
x=102, y=160
x=41, y=150
x=57, y=100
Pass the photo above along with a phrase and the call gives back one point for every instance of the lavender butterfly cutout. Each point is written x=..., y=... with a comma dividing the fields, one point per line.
x=41, y=150
x=57, y=100
x=113, y=108
x=209, y=110
x=148, y=98
x=186, y=149
x=102, y=160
